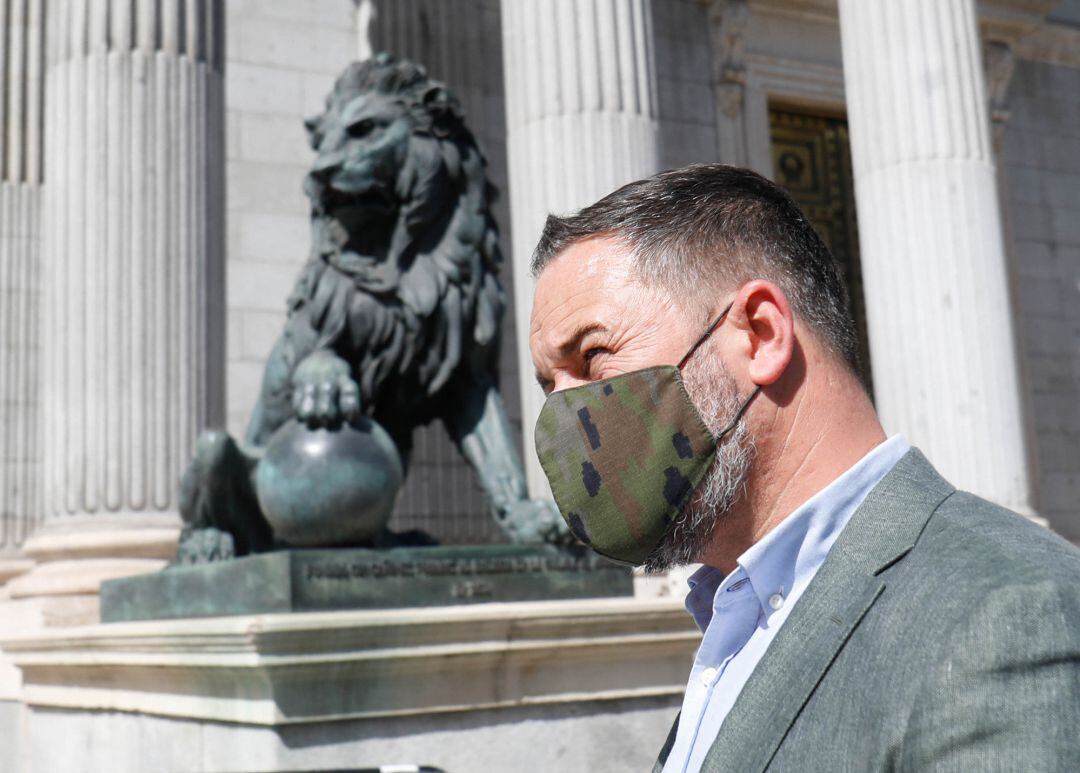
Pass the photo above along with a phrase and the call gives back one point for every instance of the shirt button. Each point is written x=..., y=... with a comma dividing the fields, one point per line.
x=707, y=676
x=776, y=601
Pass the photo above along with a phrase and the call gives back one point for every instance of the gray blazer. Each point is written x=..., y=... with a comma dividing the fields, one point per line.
x=941, y=633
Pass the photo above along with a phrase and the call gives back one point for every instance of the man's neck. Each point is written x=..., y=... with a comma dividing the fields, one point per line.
x=813, y=440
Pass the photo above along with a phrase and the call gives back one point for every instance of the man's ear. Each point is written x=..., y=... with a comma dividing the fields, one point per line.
x=762, y=310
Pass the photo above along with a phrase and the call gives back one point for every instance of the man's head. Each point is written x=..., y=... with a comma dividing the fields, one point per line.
x=695, y=230
x=634, y=280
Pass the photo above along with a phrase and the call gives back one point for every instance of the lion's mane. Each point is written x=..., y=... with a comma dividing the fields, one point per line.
x=427, y=309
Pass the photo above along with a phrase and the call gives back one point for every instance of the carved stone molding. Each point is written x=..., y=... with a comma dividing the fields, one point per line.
x=1000, y=64
x=727, y=25
x=275, y=669
x=1055, y=44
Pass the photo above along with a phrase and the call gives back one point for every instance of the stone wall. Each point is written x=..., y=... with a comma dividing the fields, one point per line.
x=684, y=84
x=574, y=738
x=282, y=58
x=1041, y=174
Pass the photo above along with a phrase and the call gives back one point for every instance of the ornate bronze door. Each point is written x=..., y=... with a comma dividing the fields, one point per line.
x=812, y=160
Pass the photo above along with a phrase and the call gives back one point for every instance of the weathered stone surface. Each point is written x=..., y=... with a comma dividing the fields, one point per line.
x=360, y=578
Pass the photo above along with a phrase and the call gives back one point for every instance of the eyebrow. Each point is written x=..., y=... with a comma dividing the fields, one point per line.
x=571, y=343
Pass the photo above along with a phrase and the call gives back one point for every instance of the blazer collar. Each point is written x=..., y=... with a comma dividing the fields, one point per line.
x=880, y=533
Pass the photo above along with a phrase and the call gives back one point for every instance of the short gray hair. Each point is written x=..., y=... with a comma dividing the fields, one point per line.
x=708, y=227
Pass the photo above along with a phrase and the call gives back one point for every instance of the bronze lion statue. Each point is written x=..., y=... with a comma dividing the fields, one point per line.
x=395, y=317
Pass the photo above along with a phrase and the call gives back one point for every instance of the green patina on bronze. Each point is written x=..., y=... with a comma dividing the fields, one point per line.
x=621, y=449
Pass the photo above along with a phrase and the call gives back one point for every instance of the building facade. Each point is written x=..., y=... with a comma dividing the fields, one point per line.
x=152, y=222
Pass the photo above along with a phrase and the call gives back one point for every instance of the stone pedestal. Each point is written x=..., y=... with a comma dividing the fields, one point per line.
x=365, y=578
x=581, y=121
x=133, y=286
x=562, y=685
x=933, y=260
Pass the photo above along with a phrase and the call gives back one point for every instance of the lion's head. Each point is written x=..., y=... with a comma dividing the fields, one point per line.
x=400, y=209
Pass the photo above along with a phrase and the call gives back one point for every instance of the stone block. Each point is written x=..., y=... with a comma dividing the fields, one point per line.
x=1059, y=452
x=1057, y=413
x=1049, y=374
x=1034, y=258
x=232, y=133
x=696, y=103
x=1064, y=522
x=301, y=47
x=232, y=336
x=236, y=420
x=1060, y=152
x=666, y=54
x=1061, y=189
x=1060, y=491
x=332, y=14
x=359, y=578
x=1023, y=185
x=1068, y=256
x=315, y=87
x=663, y=19
x=1043, y=336
x=1041, y=296
x=243, y=379
x=274, y=139
x=1065, y=225
x=274, y=238
x=259, y=285
x=268, y=188
x=263, y=89
x=582, y=737
x=259, y=332
x=1031, y=222
x=1021, y=148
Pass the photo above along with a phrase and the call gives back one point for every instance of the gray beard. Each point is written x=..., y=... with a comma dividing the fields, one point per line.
x=714, y=393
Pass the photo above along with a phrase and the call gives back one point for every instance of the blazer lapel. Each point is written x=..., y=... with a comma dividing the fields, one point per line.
x=881, y=532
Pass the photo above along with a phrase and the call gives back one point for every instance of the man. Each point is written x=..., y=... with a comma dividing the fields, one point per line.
x=705, y=405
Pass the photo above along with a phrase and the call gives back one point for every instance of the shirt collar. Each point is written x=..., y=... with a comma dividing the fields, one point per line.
x=786, y=558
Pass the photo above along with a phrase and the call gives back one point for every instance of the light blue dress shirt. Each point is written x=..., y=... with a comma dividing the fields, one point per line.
x=741, y=613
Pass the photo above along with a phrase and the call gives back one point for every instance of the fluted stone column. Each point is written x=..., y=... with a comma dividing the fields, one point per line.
x=133, y=325
x=581, y=121
x=21, y=47
x=933, y=260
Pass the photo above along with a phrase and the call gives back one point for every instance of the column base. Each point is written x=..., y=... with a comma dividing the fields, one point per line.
x=72, y=556
x=11, y=568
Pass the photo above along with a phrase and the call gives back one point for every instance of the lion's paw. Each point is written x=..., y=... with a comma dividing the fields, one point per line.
x=324, y=392
x=535, y=520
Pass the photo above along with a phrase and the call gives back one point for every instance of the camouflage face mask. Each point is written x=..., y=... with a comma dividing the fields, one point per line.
x=624, y=454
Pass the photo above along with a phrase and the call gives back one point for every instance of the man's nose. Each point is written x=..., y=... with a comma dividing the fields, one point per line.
x=563, y=381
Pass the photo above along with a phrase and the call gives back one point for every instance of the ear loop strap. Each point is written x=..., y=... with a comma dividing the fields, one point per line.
x=694, y=348
x=704, y=335
x=738, y=414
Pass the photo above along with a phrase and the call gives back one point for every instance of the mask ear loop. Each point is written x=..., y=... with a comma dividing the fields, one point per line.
x=746, y=403
x=738, y=414
x=706, y=334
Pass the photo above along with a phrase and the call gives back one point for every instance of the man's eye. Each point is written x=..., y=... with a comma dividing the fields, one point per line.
x=590, y=355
